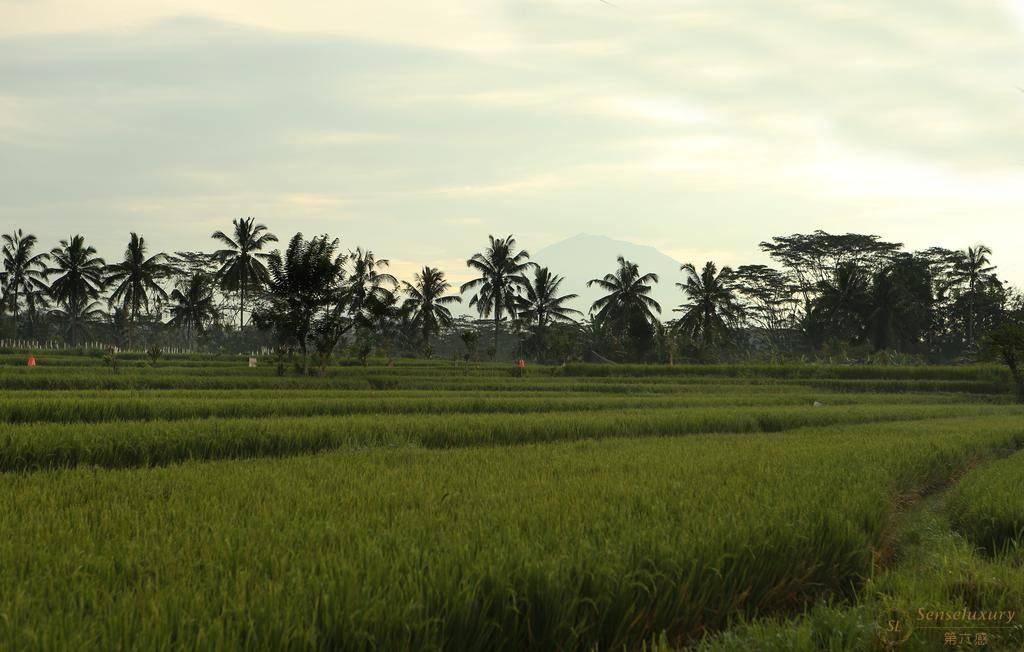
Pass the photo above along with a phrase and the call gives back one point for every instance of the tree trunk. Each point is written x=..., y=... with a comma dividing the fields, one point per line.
x=131, y=325
x=497, y=323
x=241, y=310
x=970, y=319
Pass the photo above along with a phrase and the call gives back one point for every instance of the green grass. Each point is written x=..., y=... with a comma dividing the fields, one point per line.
x=937, y=569
x=202, y=504
x=988, y=505
x=123, y=444
x=449, y=378
x=115, y=405
x=569, y=545
x=978, y=372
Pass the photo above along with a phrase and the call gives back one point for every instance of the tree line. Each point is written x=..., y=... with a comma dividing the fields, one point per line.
x=847, y=296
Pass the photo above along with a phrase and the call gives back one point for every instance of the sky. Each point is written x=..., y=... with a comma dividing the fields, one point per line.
x=418, y=128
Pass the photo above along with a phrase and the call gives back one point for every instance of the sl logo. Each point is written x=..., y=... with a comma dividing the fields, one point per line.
x=896, y=630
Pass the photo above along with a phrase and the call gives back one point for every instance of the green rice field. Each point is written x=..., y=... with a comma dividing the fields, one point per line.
x=432, y=505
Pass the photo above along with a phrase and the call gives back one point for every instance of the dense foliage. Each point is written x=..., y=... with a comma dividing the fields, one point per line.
x=848, y=297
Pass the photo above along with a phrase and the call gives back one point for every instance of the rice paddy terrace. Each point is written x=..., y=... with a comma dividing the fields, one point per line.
x=200, y=503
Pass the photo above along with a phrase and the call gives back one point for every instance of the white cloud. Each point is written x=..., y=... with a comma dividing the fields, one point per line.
x=844, y=172
x=314, y=201
x=1015, y=8
x=454, y=269
x=552, y=113
x=532, y=184
x=655, y=109
x=338, y=138
x=476, y=26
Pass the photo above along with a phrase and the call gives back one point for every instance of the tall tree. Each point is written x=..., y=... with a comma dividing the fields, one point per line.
x=78, y=284
x=302, y=283
x=427, y=302
x=134, y=279
x=193, y=305
x=1007, y=342
x=627, y=307
x=769, y=300
x=183, y=265
x=24, y=272
x=842, y=307
x=242, y=262
x=974, y=270
x=500, y=268
x=78, y=314
x=540, y=305
x=364, y=299
x=815, y=258
x=713, y=309
x=367, y=289
x=941, y=263
x=901, y=297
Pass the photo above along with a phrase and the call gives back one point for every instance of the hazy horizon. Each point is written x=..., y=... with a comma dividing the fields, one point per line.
x=697, y=128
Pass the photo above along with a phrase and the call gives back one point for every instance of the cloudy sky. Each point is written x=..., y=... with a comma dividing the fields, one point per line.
x=417, y=128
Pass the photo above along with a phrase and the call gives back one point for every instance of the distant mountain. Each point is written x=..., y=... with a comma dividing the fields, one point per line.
x=583, y=257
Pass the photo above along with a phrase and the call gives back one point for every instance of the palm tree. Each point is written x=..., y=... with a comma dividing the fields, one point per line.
x=24, y=273
x=368, y=290
x=302, y=283
x=78, y=284
x=501, y=270
x=627, y=297
x=902, y=304
x=135, y=279
x=541, y=306
x=193, y=305
x=426, y=302
x=242, y=263
x=713, y=307
x=77, y=314
x=973, y=268
x=843, y=307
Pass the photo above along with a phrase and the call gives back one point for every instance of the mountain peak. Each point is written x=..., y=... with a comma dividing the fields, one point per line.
x=585, y=256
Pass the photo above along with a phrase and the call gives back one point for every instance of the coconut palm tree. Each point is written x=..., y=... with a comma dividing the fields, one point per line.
x=24, y=272
x=627, y=310
x=501, y=270
x=78, y=314
x=242, y=262
x=973, y=268
x=843, y=307
x=193, y=305
x=427, y=301
x=713, y=308
x=627, y=296
x=79, y=281
x=135, y=280
x=367, y=289
x=902, y=304
x=303, y=284
x=540, y=305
